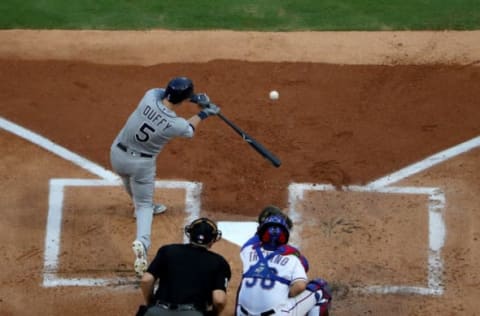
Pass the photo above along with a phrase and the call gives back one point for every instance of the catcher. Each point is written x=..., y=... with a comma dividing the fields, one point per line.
x=274, y=271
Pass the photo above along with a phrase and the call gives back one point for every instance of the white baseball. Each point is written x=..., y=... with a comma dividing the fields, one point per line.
x=274, y=95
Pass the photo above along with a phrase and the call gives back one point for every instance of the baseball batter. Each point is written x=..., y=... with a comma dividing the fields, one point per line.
x=134, y=151
x=274, y=281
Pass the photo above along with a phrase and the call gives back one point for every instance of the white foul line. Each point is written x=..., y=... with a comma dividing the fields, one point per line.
x=57, y=150
x=426, y=163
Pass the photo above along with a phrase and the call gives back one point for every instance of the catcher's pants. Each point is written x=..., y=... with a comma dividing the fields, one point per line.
x=299, y=305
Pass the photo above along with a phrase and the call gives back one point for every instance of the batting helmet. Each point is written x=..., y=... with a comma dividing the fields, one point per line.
x=179, y=89
x=274, y=231
x=203, y=231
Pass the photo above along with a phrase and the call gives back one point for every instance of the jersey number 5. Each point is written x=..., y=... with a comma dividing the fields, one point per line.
x=143, y=134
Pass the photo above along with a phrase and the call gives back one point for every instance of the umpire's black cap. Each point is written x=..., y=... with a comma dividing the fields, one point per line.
x=203, y=231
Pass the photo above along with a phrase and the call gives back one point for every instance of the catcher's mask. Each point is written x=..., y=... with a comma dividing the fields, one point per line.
x=179, y=89
x=203, y=231
x=274, y=232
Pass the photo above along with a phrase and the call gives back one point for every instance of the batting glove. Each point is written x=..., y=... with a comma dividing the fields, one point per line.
x=210, y=110
x=201, y=99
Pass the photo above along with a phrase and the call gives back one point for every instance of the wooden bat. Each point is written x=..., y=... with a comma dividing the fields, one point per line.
x=252, y=142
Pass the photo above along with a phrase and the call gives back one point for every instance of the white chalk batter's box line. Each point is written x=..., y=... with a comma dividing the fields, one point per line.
x=436, y=231
x=51, y=277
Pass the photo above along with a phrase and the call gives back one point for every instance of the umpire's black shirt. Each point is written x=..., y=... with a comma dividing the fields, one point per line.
x=188, y=274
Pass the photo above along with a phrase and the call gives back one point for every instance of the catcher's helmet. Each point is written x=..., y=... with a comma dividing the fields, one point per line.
x=203, y=231
x=179, y=89
x=274, y=231
x=273, y=210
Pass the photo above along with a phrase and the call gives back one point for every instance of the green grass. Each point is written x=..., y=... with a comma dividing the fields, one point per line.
x=265, y=15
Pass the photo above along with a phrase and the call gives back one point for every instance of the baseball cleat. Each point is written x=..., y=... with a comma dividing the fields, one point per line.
x=140, y=265
x=157, y=209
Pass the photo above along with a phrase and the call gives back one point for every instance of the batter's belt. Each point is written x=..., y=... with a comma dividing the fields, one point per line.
x=133, y=152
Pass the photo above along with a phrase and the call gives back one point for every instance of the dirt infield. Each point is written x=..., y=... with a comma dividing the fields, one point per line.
x=362, y=126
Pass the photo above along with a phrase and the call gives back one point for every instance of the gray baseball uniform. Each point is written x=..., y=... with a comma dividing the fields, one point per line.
x=134, y=151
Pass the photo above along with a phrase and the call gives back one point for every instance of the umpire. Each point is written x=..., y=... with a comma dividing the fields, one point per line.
x=192, y=279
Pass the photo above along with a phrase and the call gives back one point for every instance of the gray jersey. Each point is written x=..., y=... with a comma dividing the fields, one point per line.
x=152, y=125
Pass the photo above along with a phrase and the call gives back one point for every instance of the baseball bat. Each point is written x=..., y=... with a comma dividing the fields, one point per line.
x=252, y=142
